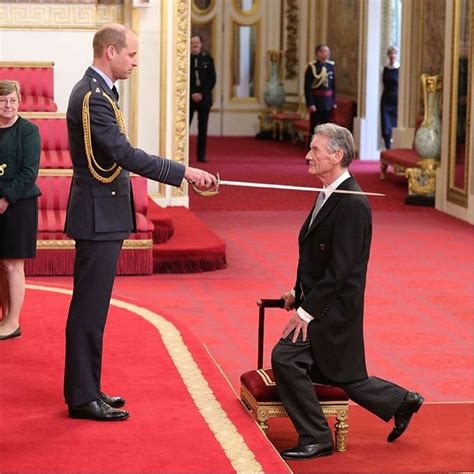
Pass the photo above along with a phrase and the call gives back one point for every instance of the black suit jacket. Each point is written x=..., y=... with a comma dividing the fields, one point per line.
x=202, y=77
x=330, y=284
x=98, y=211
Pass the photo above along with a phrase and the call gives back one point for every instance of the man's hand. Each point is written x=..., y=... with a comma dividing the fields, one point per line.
x=200, y=178
x=3, y=205
x=299, y=325
x=312, y=108
x=289, y=301
x=196, y=97
x=334, y=106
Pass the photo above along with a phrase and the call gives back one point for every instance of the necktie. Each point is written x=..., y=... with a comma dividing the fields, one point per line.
x=115, y=93
x=317, y=207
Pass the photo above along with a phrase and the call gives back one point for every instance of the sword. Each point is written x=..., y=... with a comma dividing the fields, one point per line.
x=248, y=184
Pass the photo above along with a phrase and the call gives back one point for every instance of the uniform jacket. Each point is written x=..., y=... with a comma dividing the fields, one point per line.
x=203, y=78
x=330, y=284
x=313, y=86
x=99, y=211
x=19, y=161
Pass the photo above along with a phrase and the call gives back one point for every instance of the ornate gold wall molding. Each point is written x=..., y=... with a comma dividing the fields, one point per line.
x=291, y=40
x=180, y=75
x=71, y=15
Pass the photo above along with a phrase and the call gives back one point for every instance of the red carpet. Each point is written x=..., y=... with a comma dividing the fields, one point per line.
x=418, y=326
x=439, y=440
x=165, y=433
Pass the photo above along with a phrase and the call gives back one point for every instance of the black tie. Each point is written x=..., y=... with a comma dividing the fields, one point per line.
x=115, y=93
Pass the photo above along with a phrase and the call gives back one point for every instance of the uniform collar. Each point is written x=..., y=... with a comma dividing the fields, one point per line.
x=104, y=76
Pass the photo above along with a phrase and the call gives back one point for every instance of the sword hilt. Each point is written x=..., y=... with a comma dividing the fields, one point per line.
x=209, y=192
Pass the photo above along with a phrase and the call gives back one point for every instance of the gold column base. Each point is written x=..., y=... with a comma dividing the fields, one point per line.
x=266, y=122
x=421, y=181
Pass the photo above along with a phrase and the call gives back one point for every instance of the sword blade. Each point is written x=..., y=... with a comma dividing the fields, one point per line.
x=247, y=184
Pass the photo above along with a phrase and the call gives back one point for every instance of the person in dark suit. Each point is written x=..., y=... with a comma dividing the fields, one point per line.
x=100, y=213
x=202, y=81
x=323, y=340
x=389, y=101
x=320, y=88
x=20, y=149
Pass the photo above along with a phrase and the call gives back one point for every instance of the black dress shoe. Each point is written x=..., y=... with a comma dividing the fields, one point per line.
x=97, y=410
x=202, y=160
x=114, y=402
x=15, y=333
x=402, y=417
x=308, y=451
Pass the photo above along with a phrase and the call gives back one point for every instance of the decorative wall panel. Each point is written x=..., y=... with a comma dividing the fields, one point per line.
x=433, y=26
x=343, y=40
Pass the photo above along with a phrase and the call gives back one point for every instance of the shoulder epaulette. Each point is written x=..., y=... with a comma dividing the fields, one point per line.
x=332, y=63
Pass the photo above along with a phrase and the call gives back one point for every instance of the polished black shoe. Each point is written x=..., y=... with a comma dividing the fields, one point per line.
x=114, y=402
x=97, y=410
x=202, y=160
x=308, y=451
x=15, y=333
x=402, y=417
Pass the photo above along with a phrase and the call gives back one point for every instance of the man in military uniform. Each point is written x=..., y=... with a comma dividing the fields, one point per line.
x=202, y=80
x=101, y=212
x=320, y=88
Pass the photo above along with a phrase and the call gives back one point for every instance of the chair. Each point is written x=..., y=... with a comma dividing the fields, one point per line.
x=36, y=82
x=284, y=120
x=259, y=394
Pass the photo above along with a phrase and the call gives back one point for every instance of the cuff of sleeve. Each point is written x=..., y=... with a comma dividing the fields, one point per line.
x=305, y=316
x=293, y=292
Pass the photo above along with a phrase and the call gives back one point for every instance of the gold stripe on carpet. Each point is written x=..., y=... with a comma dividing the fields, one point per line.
x=225, y=432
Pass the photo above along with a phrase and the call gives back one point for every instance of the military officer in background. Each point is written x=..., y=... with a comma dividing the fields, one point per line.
x=320, y=88
x=202, y=80
x=101, y=213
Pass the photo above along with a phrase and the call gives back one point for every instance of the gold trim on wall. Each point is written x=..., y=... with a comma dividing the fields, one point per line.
x=181, y=20
x=454, y=194
x=133, y=87
x=250, y=12
x=51, y=16
x=202, y=11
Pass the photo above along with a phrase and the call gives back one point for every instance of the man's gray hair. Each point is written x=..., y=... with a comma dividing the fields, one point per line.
x=339, y=138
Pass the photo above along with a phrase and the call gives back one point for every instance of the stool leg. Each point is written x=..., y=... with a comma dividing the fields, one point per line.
x=342, y=428
x=262, y=422
x=383, y=171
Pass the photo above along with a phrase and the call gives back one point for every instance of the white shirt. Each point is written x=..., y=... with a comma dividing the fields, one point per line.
x=328, y=190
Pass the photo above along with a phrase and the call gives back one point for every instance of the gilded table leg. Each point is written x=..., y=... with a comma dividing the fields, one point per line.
x=342, y=428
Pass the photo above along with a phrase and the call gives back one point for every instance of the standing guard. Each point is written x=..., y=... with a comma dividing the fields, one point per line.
x=320, y=88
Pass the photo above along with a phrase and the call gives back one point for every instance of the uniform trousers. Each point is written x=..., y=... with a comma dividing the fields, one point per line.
x=295, y=370
x=95, y=265
x=202, y=108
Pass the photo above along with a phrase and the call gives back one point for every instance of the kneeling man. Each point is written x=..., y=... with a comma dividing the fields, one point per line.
x=323, y=340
